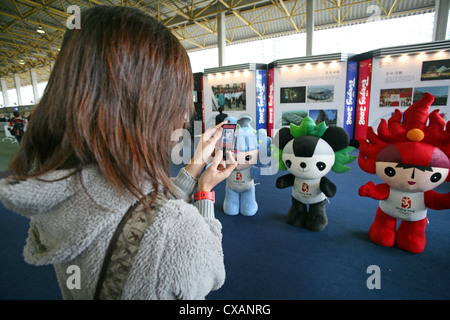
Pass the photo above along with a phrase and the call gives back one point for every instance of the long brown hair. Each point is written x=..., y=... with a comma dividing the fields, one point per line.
x=119, y=87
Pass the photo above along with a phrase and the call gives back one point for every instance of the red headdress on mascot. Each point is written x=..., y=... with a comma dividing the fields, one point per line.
x=412, y=158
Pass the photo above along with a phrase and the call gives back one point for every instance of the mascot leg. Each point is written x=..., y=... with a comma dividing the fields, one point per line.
x=297, y=213
x=249, y=206
x=382, y=230
x=411, y=235
x=317, y=219
x=231, y=202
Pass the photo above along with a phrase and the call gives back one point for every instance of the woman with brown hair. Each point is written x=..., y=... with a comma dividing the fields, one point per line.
x=92, y=174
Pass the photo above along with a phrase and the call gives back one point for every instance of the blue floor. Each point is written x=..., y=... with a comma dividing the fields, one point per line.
x=268, y=259
x=265, y=258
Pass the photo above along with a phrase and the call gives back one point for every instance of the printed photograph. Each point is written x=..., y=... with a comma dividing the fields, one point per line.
x=399, y=97
x=435, y=70
x=327, y=115
x=321, y=94
x=231, y=96
x=293, y=95
x=293, y=116
x=440, y=94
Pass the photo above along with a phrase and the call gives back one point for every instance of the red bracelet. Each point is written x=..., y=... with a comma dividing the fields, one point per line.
x=205, y=195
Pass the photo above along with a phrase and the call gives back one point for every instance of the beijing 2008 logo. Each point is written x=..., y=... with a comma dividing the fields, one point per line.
x=305, y=187
x=406, y=203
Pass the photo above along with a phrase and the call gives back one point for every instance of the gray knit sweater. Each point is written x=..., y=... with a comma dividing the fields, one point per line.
x=73, y=220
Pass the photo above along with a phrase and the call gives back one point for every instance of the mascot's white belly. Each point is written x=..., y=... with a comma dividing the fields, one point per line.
x=240, y=180
x=409, y=206
x=307, y=191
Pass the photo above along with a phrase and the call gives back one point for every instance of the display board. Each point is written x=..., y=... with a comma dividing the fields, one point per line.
x=240, y=89
x=350, y=98
x=363, y=98
x=388, y=82
x=309, y=86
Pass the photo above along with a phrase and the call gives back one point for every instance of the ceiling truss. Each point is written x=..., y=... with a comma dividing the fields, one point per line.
x=193, y=22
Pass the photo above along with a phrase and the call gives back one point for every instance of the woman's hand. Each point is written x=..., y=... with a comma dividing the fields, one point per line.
x=217, y=172
x=204, y=152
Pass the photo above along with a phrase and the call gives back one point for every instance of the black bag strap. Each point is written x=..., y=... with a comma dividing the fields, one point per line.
x=122, y=249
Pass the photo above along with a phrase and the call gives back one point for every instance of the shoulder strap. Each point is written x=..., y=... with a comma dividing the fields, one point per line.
x=122, y=249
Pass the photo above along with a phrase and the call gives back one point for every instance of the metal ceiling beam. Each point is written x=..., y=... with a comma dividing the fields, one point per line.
x=186, y=16
x=26, y=19
x=211, y=10
x=284, y=10
x=238, y=14
x=45, y=7
x=194, y=22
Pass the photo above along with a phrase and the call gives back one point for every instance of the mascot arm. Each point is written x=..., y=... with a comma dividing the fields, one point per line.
x=437, y=201
x=327, y=187
x=285, y=181
x=377, y=192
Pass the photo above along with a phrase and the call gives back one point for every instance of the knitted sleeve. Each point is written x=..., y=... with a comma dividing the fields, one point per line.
x=185, y=185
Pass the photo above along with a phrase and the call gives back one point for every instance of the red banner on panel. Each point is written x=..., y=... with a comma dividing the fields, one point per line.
x=363, y=102
x=270, y=100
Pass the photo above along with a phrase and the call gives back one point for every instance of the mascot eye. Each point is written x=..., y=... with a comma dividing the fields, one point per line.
x=436, y=177
x=321, y=166
x=248, y=158
x=389, y=171
x=288, y=163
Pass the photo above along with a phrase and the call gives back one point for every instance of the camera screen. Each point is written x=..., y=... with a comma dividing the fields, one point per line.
x=228, y=136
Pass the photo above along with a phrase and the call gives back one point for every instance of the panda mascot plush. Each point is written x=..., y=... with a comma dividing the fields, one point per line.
x=309, y=152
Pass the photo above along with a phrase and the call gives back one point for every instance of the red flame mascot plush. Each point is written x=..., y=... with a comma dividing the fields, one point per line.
x=412, y=158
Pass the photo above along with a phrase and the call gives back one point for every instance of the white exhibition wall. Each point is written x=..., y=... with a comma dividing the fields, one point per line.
x=245, y=94
x=399, y=81
x=312, y=89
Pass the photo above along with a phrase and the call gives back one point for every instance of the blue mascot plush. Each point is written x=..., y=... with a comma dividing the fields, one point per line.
x=240, y=185
x=309, y=152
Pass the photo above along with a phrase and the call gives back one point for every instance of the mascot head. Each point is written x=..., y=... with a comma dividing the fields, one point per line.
x=248, y=142
x=310, y=151
x=410, y=155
